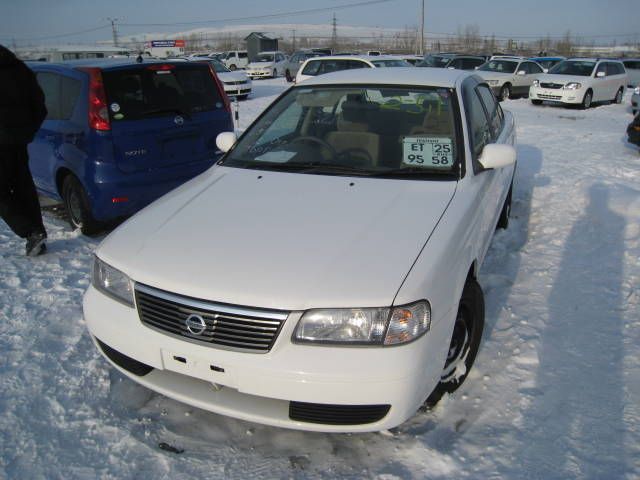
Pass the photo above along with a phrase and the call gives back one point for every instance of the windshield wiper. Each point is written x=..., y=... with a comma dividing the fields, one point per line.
x=414, y=172
x=308, y=167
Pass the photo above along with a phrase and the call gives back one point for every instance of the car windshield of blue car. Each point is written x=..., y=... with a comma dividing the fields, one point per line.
x=500, y=66
x=357, y=130
x=574, y=67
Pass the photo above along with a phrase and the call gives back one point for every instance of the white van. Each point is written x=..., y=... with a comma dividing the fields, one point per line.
x=235, y=59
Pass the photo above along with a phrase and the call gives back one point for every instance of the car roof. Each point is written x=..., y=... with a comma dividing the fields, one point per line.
x=105, y=63
x=594, y=59
x=432, y=77
x=547, y=58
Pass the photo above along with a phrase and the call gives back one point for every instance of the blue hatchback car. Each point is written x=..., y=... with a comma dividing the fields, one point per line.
x=120, y=134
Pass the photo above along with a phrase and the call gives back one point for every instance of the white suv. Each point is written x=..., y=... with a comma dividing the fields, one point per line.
x=581, y=81
x=509, y=76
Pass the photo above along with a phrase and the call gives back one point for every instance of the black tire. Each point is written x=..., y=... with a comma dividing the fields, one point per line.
x=233, y=67
x=587, y=100
x=503, y=221
x=619, y=95
x=78, y=207
x=505, y=92
x=465, y=341
x=287, y=75
x=275, y=73
x=536, y=102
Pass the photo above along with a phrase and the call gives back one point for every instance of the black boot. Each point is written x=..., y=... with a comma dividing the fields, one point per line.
x=36, y=244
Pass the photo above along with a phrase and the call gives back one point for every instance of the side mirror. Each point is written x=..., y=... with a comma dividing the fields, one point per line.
x=521, y=72
x=495, y=155
x=226, y=140
x=600, y=74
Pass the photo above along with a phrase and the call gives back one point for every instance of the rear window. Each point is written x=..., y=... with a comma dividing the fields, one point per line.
x=327, y=66
x=146, y=92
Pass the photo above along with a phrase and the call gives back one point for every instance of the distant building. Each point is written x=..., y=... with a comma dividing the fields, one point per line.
x=258, y=42
x=70, y=52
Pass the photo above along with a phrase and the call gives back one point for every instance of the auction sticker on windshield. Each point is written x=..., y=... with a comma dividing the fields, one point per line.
x=431, y=152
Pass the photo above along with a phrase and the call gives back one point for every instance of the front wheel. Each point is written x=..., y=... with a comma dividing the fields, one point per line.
x=275, y=73
x=618, y=98
x=232, y=67
x=505, y=92
x=77, y=206
x=465, y=342
x=586, y=101
x=288, y=76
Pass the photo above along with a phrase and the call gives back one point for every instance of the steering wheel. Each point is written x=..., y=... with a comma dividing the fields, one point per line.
x=362, y=157
x=317, y=141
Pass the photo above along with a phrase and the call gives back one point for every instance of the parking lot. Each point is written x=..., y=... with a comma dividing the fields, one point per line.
x=555, y=390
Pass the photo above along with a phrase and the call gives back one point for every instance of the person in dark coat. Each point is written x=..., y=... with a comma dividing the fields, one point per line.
x=22, y=111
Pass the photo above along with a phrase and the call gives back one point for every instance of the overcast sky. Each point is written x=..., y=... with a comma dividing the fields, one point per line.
x=33, y=20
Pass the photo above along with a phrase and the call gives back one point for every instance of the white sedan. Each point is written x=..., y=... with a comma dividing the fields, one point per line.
x=323, y=276
x=267, y=65
x=235, y=83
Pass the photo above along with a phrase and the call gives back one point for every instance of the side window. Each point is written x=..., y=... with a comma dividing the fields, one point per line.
x=534, y=68
x=294, y=58
x=312, y=68
x=353, y=64
x=524, y=66
x=477, y=123
x=471, y=63
x=602, y=68
x=50, y=84
x=242, y=54
x=491, y=106
x=69, y=96
x=456, y=63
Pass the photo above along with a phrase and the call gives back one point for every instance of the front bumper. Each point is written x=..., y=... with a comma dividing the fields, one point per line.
x=559, y=95
x=259, y=73
x=263, y=387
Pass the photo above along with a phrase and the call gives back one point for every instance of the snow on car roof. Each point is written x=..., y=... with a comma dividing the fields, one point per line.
x=435, y=77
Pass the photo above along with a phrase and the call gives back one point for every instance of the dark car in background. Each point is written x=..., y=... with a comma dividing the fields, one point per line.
x=452, y=60
x=120, y=134
x=295, y=61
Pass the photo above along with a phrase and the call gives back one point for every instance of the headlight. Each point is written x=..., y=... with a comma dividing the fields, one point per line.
x=364, y=326
x=535, y=83
x=112, y=282
x=572, y=86
x=493, y=82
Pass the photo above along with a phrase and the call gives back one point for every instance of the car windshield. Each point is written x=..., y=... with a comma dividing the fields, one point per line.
x=434, y=61
x=547, y=63
x=390, y=63
x=501, y=66
x=160, y=90
x=580, y=68
x=265, y=57
x=218, y=66
x=360, y=130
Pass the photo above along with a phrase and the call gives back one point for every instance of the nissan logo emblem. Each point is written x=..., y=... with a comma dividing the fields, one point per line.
x=178, y=120
x=195, y=324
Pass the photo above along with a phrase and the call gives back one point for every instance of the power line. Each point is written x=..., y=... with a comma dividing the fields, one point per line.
x=260, y=17
x=61, y=35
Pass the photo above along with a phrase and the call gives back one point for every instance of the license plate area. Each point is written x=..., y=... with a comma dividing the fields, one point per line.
x=197, y=367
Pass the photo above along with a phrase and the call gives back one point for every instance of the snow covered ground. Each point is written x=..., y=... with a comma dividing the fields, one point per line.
x=554, y=393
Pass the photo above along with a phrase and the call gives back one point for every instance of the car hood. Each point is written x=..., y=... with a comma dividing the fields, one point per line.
x=233, y=76
x=261, y=64
x=564, y=79
x=281, y=240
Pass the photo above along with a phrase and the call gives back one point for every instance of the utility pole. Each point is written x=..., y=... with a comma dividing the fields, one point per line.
x=334, y=34
x=422, y=30
x=114, y=30
x=293, y=43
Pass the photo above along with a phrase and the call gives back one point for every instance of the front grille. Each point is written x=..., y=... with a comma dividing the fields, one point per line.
x=227, y=326
x=337, y=414
x=241, y=82
x=554, y=86
x=550, y=97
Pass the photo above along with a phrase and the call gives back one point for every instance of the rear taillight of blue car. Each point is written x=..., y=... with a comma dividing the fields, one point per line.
x=98, y=110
